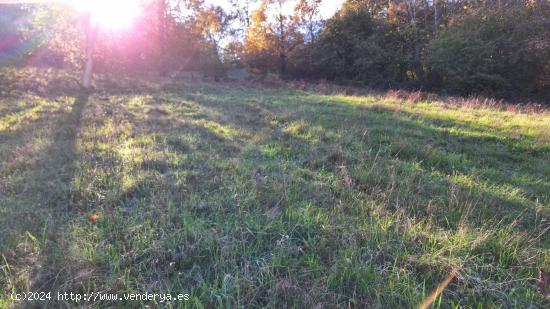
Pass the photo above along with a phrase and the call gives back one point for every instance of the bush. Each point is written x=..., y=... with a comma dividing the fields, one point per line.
x=495, y=54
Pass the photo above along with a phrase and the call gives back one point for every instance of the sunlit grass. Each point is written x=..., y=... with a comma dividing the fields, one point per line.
x=343, y=201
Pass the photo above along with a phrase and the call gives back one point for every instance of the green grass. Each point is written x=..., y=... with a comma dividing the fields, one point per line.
x=251, y=197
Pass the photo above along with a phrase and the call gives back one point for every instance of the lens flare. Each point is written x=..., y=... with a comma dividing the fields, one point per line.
x=111, y=15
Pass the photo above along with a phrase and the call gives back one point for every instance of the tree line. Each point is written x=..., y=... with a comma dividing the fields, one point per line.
x=490, y=47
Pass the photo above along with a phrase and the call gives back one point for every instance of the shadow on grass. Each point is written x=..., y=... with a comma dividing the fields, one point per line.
x=38, y=203
x=294, y=185
x=503, y=176
x=425, y=171
x=301, y=219
x=176, y=227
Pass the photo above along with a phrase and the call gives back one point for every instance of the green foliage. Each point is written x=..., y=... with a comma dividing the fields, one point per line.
x=372, y=44
x=354, y=46
x=502, y=52
x=258, y=47
x=57, y=33
x=477, y=48
x=270, y=40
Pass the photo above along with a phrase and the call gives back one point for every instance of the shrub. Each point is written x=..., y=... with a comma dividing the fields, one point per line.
x=503, y=53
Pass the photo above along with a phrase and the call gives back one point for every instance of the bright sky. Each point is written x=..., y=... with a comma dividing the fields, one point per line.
x=120, y=14
x=328, y=7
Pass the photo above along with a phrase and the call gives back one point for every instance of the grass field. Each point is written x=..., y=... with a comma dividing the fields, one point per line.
x=249, y=197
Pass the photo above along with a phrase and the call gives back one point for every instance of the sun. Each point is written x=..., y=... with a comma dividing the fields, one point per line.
x=111, y=15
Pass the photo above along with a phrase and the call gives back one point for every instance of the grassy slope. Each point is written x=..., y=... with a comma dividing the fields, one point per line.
x=260, y=197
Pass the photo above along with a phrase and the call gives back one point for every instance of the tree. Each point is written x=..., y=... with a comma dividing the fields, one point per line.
x=499, y=52
x=308, y=21
x=258, y=41
x=233, y=54
x=60, y=32
x=307, y=15
x=91, y=34
x=270, y=39
x=243, y=11
x=355, y=45
x=286, y=35
x=162, y=32
x=214, y=24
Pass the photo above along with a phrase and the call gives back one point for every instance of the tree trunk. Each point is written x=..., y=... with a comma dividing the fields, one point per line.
x=91, y=33
x=162, y=37
x=436, y=19
x=282, y=69
x=282, y=47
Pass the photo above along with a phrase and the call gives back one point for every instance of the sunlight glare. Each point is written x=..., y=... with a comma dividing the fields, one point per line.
x=110, y=14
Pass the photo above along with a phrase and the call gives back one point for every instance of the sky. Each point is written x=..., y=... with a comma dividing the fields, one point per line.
x=328, y=8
